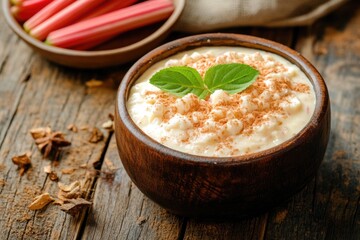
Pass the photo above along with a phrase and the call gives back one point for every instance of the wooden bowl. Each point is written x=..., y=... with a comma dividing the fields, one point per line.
x=127, y=47
x=226, y=186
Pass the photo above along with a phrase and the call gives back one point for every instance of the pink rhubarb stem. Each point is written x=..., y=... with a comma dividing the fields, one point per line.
x=146, y=21
x=108, y=6
x=92, y=44
x=111, y=24
x=24, y=10
x=45, y=13
x=64, y=17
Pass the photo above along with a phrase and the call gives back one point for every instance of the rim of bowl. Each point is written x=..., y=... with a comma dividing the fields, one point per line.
x=196, y=41
x=16, y=27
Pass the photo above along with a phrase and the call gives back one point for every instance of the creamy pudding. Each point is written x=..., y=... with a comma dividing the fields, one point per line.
x=272, y=110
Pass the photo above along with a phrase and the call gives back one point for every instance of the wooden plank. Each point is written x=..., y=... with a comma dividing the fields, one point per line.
x=121, y=211
x=55, y=97
x=252, y=228
x=284, y=36
x=15, y=62
x=328, y=208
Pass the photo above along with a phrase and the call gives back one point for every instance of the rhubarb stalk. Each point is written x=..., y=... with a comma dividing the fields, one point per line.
x=23, y=10
x=48, y=11
x=108, y=6
x=63, y=18
x=111, y=24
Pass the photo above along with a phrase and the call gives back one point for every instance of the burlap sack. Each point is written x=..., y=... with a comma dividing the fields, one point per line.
x=206, y=15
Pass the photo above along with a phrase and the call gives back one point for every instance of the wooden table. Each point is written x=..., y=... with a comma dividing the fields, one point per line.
x=36, y=93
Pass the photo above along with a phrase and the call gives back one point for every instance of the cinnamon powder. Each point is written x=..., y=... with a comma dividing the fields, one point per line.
x=245, y=110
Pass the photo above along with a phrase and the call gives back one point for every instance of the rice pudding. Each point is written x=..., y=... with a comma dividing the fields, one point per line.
x=272, y=110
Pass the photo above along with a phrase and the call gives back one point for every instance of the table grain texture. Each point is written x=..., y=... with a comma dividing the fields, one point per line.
x=36, y=93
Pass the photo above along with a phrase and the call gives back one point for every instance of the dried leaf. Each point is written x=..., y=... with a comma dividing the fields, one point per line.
x=96, y=135
x=74, y=206
x=68, y=170
x=93, y=83
x=23, y=162
x=72, y=128
x=41, y=201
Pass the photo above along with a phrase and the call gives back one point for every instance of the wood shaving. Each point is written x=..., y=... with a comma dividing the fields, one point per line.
x=340, y=154
x=74, y=193
x=84, y=127
x=96, y=135
x=83, y=165
x=320, y=50
x=280, y=216
x=109, y=164
x=93, y=83
x=109, y=125
x=109, y=175
x=74, y=190
x=2, y=166
x=75, y=206
x=68, y=188
x=47, y=169
x=141, y=220
x=23, y=162
x=68, y=170
x=41, y=201
x=95, y=163
x=58, y=202
x=111, y=116
x=72, y=128
x=93, y=172
x=53, y=176
x=2, y=182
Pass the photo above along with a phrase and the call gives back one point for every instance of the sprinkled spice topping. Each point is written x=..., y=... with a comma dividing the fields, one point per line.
x=219, y=120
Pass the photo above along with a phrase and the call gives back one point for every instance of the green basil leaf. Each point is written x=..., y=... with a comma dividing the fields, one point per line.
x=180, y=80
x=232, y=78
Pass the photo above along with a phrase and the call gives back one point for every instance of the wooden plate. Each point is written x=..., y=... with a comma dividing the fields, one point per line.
x=127, y=47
